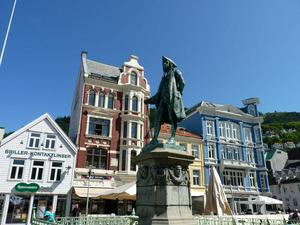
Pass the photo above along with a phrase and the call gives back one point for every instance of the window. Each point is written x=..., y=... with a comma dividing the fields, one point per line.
x=125, y=129
x=50, y=141
x=92, y=97
x=295, y=202
x=257, y=135
x=252, y=179
x=196, y=151
x=210, y=127
x=133, y=78
x=222, y=130
x=228, y=130
x=262, y=182
x=55, y=172
x=17, y=169
x=250, y=155
x=196, y=177
x=37, y=170
x=259, y=157
x=233, y=178
x=248, y=135
x=234, y=132
x=96, y=157
x=211, y=151
x=183, y=145
x=126, y=103
x=132, y=165
x=231, y=152
x=99, y=126
x=134, y=130
x=134, y=103
x=124, y=159
x=34, y=140
x=101, y=101
x=18, y=208
x=110, y=103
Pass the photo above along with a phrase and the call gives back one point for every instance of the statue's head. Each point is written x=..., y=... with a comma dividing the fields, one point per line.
x=167, y=63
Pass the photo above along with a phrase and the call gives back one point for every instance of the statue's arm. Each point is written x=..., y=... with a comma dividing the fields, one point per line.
x=179, y=80
x=155, y=98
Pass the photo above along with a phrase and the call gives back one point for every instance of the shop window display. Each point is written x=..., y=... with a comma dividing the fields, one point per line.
x=17, y=209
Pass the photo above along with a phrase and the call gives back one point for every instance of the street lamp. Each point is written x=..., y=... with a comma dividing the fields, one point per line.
x=88, y=190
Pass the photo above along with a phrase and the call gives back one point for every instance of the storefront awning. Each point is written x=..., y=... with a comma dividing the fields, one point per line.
x=195, y=193
x=126, y=191
x=93, y=192
x=262, y=200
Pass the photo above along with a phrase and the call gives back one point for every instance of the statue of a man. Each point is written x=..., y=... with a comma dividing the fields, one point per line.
x=168, y=100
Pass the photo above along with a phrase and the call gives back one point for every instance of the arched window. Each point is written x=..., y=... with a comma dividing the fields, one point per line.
x=132, y=164
x=126, y=102
x=124, y=159
x=101, y=102
x=134, y=103
x=110, y=103
x=92, y=97
x=97, y=158
x=133, y=78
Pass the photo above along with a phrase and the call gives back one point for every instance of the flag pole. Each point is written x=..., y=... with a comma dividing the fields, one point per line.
x=7, y=31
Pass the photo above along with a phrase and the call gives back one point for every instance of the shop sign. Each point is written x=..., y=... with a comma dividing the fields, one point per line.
x=37, y=153
x=23, y=187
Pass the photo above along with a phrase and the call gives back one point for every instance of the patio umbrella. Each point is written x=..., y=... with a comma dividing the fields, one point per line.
x=124, y=192
x=216, y=201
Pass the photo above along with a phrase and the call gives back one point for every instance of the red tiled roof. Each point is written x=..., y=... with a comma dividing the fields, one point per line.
x=166, y=128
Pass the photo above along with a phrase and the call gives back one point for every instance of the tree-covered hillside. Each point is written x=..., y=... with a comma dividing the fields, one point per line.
x=281, y=127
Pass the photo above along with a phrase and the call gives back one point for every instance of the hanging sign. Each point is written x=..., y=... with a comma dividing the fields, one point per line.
x=23, y=187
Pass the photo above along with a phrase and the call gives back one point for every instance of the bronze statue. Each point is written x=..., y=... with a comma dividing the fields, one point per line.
x=168, y=100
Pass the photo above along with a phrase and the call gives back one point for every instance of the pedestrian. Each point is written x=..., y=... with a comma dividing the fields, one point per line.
x=75, y=211
x=49, y=215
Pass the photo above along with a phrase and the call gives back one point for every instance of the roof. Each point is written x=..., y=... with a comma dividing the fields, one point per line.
x=270, y=153
x=102, y=69
x=45, y=116
x=228, y=109
x=166, y=128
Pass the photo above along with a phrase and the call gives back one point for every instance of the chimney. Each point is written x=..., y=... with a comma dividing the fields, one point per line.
x=2, y=130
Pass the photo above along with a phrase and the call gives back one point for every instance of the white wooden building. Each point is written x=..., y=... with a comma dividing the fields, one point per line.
x=37, y=165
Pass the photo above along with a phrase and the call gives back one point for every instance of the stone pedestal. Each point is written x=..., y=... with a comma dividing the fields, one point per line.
x=163, y=187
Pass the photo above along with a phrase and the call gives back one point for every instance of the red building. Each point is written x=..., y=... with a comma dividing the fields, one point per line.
x=109, y=122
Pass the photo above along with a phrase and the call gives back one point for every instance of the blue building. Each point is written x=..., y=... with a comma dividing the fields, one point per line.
x=233, y=144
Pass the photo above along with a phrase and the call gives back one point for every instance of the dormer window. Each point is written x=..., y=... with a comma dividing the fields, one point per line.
x=50, y=141
x=133, y=78
x=92, y=97
x=34, y=140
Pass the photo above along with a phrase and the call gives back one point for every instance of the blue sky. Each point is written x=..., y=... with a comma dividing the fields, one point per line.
x=227, y=50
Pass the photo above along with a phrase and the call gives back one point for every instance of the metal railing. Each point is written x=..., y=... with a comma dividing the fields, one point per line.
x=199, y=220
x=92, y=220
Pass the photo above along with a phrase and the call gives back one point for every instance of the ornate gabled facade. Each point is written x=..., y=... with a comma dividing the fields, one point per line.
x=109, y=120
x=233, y=143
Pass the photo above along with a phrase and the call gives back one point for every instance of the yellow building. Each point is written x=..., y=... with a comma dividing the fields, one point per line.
x=193, y=145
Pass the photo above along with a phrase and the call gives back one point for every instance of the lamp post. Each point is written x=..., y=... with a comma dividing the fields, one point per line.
x=88, y=190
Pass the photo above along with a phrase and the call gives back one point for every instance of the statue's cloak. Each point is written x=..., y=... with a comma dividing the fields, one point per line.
x=169, y=94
